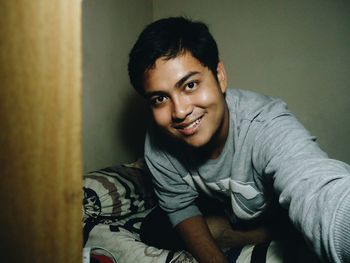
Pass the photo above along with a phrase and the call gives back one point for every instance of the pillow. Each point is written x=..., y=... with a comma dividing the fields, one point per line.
x=120, y=241
x=118, y=191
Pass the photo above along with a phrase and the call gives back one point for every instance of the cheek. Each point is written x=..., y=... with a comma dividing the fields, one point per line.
x=161, y=116
x=207, y=97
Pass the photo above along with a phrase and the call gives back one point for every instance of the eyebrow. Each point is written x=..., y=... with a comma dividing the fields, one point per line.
x=185, y=78
x=178, y=84
x=153, y=94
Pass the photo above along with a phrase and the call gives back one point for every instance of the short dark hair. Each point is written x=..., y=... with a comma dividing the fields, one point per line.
x=168, y=38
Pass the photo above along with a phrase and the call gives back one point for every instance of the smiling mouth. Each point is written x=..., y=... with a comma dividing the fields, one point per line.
x=191, y=128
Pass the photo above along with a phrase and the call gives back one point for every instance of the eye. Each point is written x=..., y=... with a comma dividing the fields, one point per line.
x=158, y=100
x=191, y=85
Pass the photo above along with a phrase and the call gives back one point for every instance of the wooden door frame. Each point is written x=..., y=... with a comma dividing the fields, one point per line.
x=40, y=137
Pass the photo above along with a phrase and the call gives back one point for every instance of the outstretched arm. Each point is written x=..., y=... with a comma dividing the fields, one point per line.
x=314, y=188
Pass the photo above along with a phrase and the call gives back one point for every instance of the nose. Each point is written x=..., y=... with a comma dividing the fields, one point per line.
x=182, y=107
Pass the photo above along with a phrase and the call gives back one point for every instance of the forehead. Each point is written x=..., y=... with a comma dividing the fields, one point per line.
x=167, y=72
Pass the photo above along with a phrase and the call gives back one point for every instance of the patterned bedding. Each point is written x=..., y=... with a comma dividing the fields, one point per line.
x=116, y=199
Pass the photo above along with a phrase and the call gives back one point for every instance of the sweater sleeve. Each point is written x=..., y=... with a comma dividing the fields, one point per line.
x=314, y=188
x=175, y=196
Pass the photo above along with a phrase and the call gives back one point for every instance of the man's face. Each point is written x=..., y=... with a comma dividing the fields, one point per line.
x=187, y=101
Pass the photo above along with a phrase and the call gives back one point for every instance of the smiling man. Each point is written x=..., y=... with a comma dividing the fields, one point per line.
x=244, y=150
x=187, y=101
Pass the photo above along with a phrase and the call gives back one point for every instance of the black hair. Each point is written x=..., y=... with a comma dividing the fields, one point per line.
x=168, y=38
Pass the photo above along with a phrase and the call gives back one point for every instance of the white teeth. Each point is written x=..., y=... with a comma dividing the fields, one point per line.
x=193, y=124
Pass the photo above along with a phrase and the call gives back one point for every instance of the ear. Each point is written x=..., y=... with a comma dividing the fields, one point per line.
x=222, y=77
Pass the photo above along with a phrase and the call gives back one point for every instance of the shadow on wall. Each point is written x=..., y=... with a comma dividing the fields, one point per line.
x=133, y=124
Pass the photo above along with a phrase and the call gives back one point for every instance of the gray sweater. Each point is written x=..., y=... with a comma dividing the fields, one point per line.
x=268, y=156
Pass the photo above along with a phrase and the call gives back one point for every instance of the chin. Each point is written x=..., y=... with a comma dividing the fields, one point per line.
x=196, y=142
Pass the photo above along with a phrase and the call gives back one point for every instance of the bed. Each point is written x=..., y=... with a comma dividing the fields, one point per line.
x=117, y=199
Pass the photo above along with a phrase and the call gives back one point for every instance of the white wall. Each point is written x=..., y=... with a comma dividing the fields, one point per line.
x=112, y=131
x=296, y=50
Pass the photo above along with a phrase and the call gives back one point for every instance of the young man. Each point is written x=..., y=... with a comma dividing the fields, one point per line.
x=241, y=148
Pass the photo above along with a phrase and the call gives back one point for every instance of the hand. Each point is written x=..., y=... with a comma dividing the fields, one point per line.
x=226, y=237
x=199, y=240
